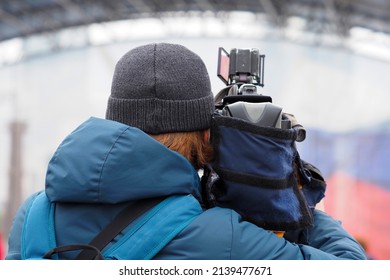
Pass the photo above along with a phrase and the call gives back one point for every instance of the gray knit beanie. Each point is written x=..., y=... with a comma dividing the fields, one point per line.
x=161, y=88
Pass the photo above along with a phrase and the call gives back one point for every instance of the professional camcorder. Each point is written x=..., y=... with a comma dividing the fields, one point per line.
x=257, y=170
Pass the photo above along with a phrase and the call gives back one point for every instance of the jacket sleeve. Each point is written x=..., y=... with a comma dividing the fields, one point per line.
x=329, y=236
x=327, y=241
x=15, y=235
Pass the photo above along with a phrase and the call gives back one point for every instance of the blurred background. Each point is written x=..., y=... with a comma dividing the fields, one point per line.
x=327, y=62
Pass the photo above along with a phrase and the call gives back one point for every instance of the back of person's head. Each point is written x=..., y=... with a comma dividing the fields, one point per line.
x=161, y=88
x=164, y=90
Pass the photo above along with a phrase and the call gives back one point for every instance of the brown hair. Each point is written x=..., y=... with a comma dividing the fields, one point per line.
x=191, y=145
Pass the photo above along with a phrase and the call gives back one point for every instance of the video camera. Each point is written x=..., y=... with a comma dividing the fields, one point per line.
x=243, y=72
x=256, y=169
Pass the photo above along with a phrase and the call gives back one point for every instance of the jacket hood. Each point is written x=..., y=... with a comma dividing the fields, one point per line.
x=104, y=161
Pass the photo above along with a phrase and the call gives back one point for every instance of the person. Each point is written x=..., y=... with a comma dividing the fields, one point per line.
x=153, y=142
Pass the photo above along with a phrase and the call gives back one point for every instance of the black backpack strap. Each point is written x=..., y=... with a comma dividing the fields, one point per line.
x=73, y=247
x=121, y=221
x=149, y=234
x=92, y=251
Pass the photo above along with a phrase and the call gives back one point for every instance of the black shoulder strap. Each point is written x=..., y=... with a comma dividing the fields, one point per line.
x=93, y=250
x=123, y=219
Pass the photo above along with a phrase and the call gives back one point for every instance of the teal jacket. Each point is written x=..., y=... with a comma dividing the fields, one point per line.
x=103, y=165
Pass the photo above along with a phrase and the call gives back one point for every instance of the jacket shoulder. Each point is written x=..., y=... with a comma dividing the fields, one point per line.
x=220, y=233
x=15, y=235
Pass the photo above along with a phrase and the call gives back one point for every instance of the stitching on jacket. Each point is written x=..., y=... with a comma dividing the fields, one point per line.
x=105, y=160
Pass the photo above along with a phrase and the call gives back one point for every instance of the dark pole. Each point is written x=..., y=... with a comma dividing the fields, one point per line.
x=15, y=175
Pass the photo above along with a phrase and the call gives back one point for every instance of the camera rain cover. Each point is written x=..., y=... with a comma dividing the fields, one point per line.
x=257, y=174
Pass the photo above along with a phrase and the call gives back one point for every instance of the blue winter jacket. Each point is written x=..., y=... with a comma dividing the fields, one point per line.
x=104, y=164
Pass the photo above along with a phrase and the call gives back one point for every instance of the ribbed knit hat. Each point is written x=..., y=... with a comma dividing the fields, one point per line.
x=161, y=88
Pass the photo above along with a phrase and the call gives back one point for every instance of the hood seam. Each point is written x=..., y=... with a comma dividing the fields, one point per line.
x=105, y=160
